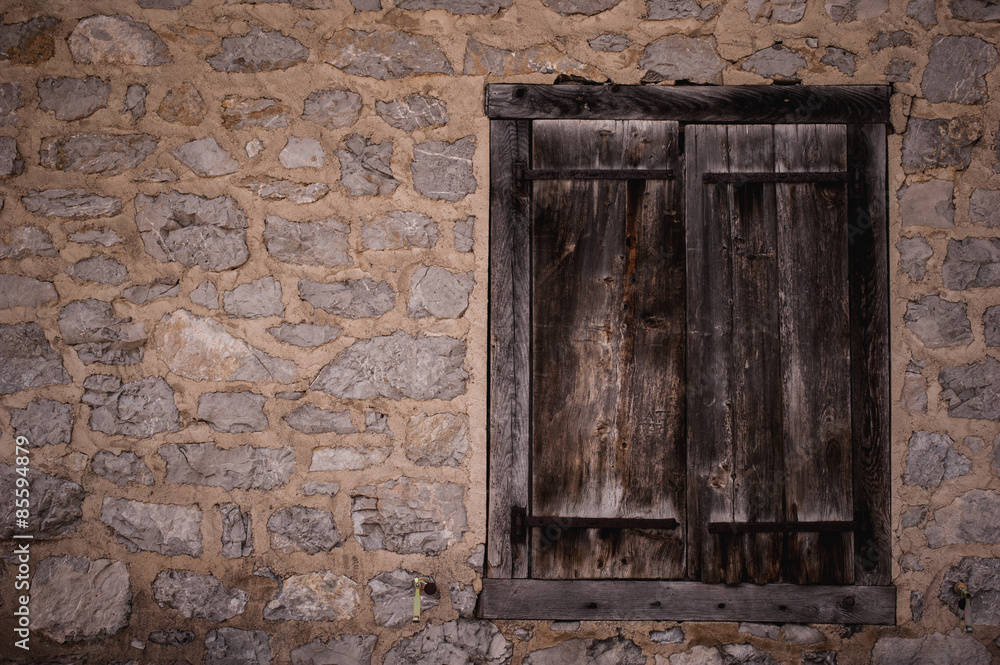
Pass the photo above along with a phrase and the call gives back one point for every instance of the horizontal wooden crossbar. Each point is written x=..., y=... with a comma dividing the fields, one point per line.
x=599, y=174
x=801, y=176
x=779, y=527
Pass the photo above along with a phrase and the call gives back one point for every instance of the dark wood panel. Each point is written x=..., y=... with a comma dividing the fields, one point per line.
x=604, y=600
x=703, y=104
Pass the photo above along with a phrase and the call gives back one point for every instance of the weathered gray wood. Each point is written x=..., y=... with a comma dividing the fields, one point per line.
x=648, y=600
x=703, y=104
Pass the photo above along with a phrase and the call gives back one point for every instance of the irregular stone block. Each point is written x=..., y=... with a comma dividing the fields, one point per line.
x=464, y=234
x=101, y=269
x=195, y=596
x=477, y=558
x=841, y=59
x=71, y=204
x=10, y=102
x=121, y=469
x=72, y=99
x=245, y=112
x=898, y=70
x=19, y=291
x=162, y=287
x=354, y=649
x=957, y=68
x=164, y=4
x=413, y=112
x=43, y=422
x=365, y=168
x=305, y=334
x=441, y=439
x=135, y=101
x=298, y=4
x=932, y=144
x=237, y=413
x=193, y=230
x=564, y=626
x=321, y=596
x=27, y=360
x=311, y=419
x=983, y=578
x=10, y=160
x=972, y=263
x=437, y=292
x=298, y=528
x=973, y=517
x=172, y=638
x=301, y=153
x=913, y=255
x=914, y=396
x=463, y=599
x=232, y=646
x=254, y=148
x=157, y=175
x=610, y=43
x=461, y=641
x=974, y=10
x=680, y=58
x=377, y=423
x=183, y=105
x=924, y=12
x=154, y=527
x=206, y=295
x=892, y=39
x=92, y=329
x=616, y=650
x=586, y=7
x=96, y=152
x=397, y=366
x=932, y=458
x=483, y=59
x=24, y=241
x=259, y=51
x=353, y=299
x=237, y=531
x=936, y=649
x=386, y=54
x=242, y=467
x=333, y=108
x=763, y=630
x=776, y=11
x=913, y=517
x=776, y=62
x=139, y=408
x=30, y=42
x=991, y=324
x=409, y=516
x=938, y=323
x=443, y=170
x=820, y=657
x=673, y=635
x=116, y=40
x=348, y=459
x=100, y=236
x=399, y=230
x=392, y=596
x=273, y=189
x=927, y=204
x=206, y=158
x=259, y=298
x=667, y=10
x=56, y=505
x=855, y=10
x=984, y=207
x=972, y=391
x=74, y=599
x=458, y=6
x=313, y=488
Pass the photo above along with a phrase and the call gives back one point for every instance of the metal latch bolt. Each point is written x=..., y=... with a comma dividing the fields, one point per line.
x=421, y=584
x=965, y=603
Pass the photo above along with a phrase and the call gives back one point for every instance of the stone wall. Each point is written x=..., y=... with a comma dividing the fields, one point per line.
x=244, y=250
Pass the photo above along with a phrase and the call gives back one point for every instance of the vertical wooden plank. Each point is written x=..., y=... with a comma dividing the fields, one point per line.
x=509, y=335
x=815, y=342
x=709, y=354
x=869, y=293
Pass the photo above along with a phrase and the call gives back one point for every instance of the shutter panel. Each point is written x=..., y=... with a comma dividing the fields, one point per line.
x=607, y=351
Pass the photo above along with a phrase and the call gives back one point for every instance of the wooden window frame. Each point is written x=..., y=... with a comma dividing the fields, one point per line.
x=506, y=591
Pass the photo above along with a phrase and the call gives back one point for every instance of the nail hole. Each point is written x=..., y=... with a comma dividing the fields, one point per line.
x=592, y=606
x=722, y=606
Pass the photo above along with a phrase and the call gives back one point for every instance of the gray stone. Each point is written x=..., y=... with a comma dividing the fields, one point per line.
x=100, y=269
x=589, y=651
x=972, y=391
x=365, y=168
x=273, y=189
x=399, y=230
x=98, y=336
x=463, y=599
x=206, y=158
x=745, y=654
x=157, y=174
x=983, y=579
x=564, y=626
x=916, y=605
x=610, y=43
x=933, y=458
x=311, y=419
x=413, y=112
x=298, y=4
x=323, y=242
x=974, y=517
x=172, y=638
x=121, y=469
x=254, y=148
x=914, y=516
x=923, y=11
x=56, y=505
x=246, y=112
x=386, y=54
x=307, y=335
x=154, y=527
x=841, y=59
x=232, y=646
x=460, y=641
x=100, y=236
x=409, y=516
x=680, y=58
x=72, y=99
x=164, y=4
x=321, y=596
x=397, y=366
x=116, y=40
x=898, y=70
x=342, y=458
x=441, y=439
x=464, y=234
x=313, y=488
x=477, y=558
x=673, y=635
x=957, y=68
x=135, y=101
x=30, y=42
x=975, y=10
x=27, y=360
x=241, y=467
x=443, y=170
x=392, y=597
x=20, y=291
x=927, y=204
x=483, y=59
x=855, y=10
x=74, y=599
x=802, y=635
x=457, y=6
x=767, y=631
x=366, y=5
x=237, y=529
x=206, y=295
x=938, y=323
x=668, y=10
x=991, y=324
x=10, y=160
x=974, y=443
x=586, y=7
x=302, y=152
x=913, y=255
x=932, y=144
x=377, y=423
x=299, y=528
x=24, y=241
x=139, y=408
x=10, y=101
x=237, y=412
x=820, y=658
x=193, y=230
x=162, y=287
x=437, y=292
x=43, y=422
x=195, y=596
x=353, y=649
x=523, y=634
x=778, y=62
x=972, y=263
x=955, y=648
x=892, y=39
x=353, y=299
x=259, y=298
x=776, y=11
x=259, y=51
x=332, y=108
x=984, y=207
x=96, y=152
x=183, y=105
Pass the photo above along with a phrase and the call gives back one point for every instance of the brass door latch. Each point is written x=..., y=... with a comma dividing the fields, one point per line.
x=965, y=603
x=421, y=584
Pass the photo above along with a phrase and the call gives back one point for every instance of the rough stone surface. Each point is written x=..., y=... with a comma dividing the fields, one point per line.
x=153, y=527
x=323, y=242
x=898, y=70
x=56, y=505
x=365, y=167
x=302, y=152
x=195, y=596
x=610, y=43
x=246, y=112
x=441, y=439
x=172, y=638
x=233, y=412
x=193, y=230
x=892, y=39
x=348, y=459
x=206, y=295
x=409, y=516
x=680, y=58
x=157, y=174
x=776, y=62
x=101, y=236
x=392, y=596
x=274, y=189
x=483, y=59
x=972, y=391
x=669, y=636
x=914, y=395
x=927, y=204
x=121, y=469
x=241, y=467
x=443, y=170
x=332, y=108
x=139, y=408
x=306, y=335
x=399, y=230
x=299, y=528
x=96, y=152
x=10, y=159
x=802, y=635
x=776, y=11
x=667, y=10
x=353, y=299
x=386, y=54
x=19, y=291
x=311, y=419
x=588, y=651
x=974, y=10
x=10, y=101
x=313, y=488
x=933, y=458
x=27, y=360
x=321, y=596
x=957, y=68
x=43, y=422
x=991, y=324
x=413, y=112
x=972, y=263
x=984, y=207
x=377, y=423
x=237, y=530
x=30, y=42
x=397, y=366
x=183, y=105
x=100, y=269
x=983, y=577
x=206, y=158
x=841, y=59
x=98, y=336
x=259, y=51
x=954, y=648
x=135, y=101
x=938, y=323
x=437, y=292
x=931, y=144
x=463, y=599
x=232, y=646
x=116, y=40
x=74, y=599
x=767, y=631
x=924, y=12
x=162, y=287
x=464, y=234
x=457, y=6
x=913, y=255
x=24, y=241
x=974, y=517
x=353, y=649
x=458, y=641
x=585, y=7
x=820, y=658
x=855, y=10
x=72, y=99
